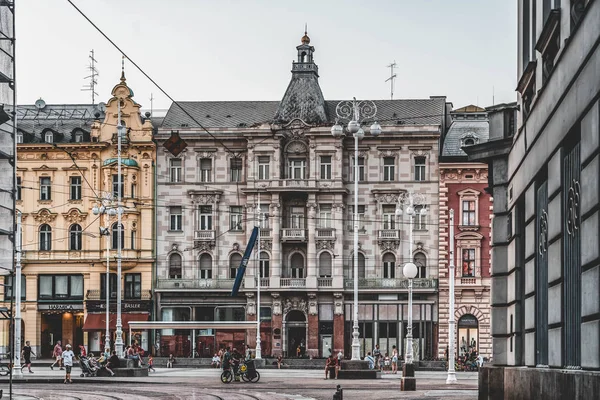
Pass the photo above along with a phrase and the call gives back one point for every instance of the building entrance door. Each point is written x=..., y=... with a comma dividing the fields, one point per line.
x=296, y=339
x=468, y=330
x=326, y=349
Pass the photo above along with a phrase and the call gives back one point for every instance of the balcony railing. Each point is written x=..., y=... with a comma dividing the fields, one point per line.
x=325, y=282
x=264, y=282
x=468, y=281
x=293, y=234
x=96, y=294
x=385, y=283
x=389, y=234
x=204, y=235
x=292, y=282
x=167, y=283
x=265, y=232
x=325, y=233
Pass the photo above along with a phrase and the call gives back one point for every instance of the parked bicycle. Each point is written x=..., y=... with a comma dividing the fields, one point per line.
x=246, y=370
x=5, y=367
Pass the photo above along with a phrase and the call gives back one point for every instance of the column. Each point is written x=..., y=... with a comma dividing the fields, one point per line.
x=338, y=245
x=312, y=337
x=275, y=220
x=338, y=322
x=311, y=254
x=277, y=325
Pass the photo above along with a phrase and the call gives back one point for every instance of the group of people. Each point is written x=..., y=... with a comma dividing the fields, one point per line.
x=385, y=362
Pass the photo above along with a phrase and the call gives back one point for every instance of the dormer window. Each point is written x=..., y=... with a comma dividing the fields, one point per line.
x=48, y=137
x=78, y=137
x=19, y=137
x=469, y=140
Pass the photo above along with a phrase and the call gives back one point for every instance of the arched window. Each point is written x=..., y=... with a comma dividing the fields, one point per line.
x=75, y=237
x=115, y=236
x=175, y=266
x=389, y=266
x=48, y=137
x=469, y=142
x=362, y=270
x=78, y=136
x=325, y=265
x=45, y=238
x=468, y=332
x=265, y=264
x=234, y=262
x=205, y=266
x=421, y=262
x=297, y=266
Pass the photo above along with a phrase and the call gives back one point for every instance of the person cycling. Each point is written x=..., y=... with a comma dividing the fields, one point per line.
x=226, y=359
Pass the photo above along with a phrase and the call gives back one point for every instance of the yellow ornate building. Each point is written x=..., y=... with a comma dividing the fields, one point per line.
x=67, y=163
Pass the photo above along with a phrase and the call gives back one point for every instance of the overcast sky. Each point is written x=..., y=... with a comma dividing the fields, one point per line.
x=243, y=49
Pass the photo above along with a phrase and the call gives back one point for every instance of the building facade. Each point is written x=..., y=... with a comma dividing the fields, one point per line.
x=281, y=155
x=66, y=164
x=462, y=189
x=545, y=180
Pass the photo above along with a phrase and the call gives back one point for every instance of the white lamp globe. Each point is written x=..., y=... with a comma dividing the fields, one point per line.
x=398, y=211
x=423, y=211
x=410, y=270
x=410, y=210
x=353, y=127
x=112, y=212
x=95, y=210
x=337, y=130
x=360, y=133
x=375, y=129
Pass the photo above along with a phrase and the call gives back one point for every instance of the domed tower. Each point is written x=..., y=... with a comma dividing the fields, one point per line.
x=303, y=98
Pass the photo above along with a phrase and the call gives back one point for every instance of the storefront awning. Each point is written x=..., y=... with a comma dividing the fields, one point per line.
x=97, y=322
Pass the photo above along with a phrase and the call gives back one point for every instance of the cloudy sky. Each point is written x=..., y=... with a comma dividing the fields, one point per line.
x=243, y=49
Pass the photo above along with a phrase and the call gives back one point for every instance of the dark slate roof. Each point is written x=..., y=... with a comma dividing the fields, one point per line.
x=62, y=119
x=303, y=99
x=231, y=114
x=478, y=129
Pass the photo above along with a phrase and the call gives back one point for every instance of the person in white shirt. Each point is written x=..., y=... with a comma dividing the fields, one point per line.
x=216, y=361
x=67, y=357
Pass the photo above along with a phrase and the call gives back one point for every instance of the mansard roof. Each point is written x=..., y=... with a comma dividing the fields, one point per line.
x=460, y=131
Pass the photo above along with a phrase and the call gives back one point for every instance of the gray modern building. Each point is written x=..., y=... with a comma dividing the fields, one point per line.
x=545, y=180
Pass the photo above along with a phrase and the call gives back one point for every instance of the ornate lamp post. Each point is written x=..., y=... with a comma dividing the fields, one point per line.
x=451, y=335
x=406, y=205
x=354, y=111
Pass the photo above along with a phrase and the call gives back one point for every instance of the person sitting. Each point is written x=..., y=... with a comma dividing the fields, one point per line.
x=386, y=363
x=330, y=364
x=113, y=362
x=279, y=362
x=216, y=361
x=171, y=361
x=371, y=360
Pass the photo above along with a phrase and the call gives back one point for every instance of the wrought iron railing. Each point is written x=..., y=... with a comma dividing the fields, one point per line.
x=292, y=282
x=385, y=283
x=163, y=283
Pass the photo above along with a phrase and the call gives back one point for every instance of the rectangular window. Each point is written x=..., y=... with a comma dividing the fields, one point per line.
x=296, y=168
x=75, y=192
x=235, y=218
x=45, y=188
x=133, y=190
x=133, y=240
x=263, y=167
x=361, y=169
x=325, y=216
x=468, y=213
x=389, y=216
x=116, y=186
x=389, y=168
x=420, y=168
x=235, y=166
x=205, y=266
x=8, y=290
x=206, y=218
x=133, y=286
x=389, y=269
x=205, y=170
x=175, y=170
x=112, y=285
x=175, y=218
x=468, y=262
x=326, y=167
x=18, y=188
x=60, y=287
x=419, y=219
x=361, y=218
x=19, y=137
x=264, y=218
x=297, y=218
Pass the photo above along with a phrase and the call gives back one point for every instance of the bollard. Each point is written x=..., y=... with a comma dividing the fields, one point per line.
x=339, y=393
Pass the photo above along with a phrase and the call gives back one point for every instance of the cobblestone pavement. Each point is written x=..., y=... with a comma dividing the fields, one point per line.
x=204, y=384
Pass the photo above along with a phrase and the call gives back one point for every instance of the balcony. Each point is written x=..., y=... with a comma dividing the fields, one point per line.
x=324, y=282
x=204, y=235
x=389, y=234
x=292, y=282
x=419, y=284
x=293, y=234
x=325, y=233
x=264, y=282
x=265, y=232
x=185, y=284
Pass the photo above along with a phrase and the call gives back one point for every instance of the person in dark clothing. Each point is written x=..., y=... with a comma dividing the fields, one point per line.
x=26, y=355
x=226, y=359
x=113, y=362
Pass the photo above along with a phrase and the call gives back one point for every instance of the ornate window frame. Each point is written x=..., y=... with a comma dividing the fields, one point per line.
x=468, y=195
x=468, y=240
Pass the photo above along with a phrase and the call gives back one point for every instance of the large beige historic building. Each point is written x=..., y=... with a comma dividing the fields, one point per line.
x=67, y=158
x=283, y=153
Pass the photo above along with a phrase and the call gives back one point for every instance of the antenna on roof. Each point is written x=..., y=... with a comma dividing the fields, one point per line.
x=151, y=105
x=493, y=95
x=391, y=79
x=93, y=77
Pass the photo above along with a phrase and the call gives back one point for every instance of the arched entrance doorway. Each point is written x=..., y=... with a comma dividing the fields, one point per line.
x=468, y=334
x=295, y=333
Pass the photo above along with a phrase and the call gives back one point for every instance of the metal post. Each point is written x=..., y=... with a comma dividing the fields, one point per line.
x=258, y=354
x=409, y=337
x=355, y=341
x=107, y=291
x=16, y=286
x=119, y=331
x=451, y=334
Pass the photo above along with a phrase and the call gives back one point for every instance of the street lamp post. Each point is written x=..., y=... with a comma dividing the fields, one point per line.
x=451, y=334
x=406, y=204
x=354, y=111
x=16, y=292
x=258, y=354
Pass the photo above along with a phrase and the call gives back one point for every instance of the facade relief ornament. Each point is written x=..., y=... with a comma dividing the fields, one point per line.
x=325, y=244
x=250, y=304
x=205, y=246
x=294, y=304
x=312, y=304
x=387, y=198
x=388, y=244
x=266, y=245
x=276, y=303
x=206, y=154
x=44, y=216
x=572, y=211
x=338, y=303
x=388, y=153
x=74, y=216
x=543, y=234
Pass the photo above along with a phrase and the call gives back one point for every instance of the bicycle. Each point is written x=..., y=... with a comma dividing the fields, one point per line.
x=4, y=368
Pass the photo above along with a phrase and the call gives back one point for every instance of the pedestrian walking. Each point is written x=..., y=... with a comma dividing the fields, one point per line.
x=151, y=363
x=67, y=358
x=394, y=360
x=26, y=355
x=57, y=355
x=377, y=356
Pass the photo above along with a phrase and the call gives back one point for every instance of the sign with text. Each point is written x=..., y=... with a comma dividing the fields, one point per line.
x=64, y=307
x=126, y=306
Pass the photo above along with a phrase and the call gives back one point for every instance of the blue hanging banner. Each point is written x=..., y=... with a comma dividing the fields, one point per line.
x=242, y=269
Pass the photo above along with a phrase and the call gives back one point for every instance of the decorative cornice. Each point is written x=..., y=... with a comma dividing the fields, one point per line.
x=75, y=216
x=44, y=216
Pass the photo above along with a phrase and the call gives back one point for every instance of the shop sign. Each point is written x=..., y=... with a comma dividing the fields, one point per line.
x=60, y=307
x=126, y=306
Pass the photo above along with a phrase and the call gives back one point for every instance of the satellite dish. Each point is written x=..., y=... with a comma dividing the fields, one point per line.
x=40, y=104
x=102, y=106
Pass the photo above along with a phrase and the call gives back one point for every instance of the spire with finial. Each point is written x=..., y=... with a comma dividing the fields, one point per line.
x=122, y=68
x=305, y=39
